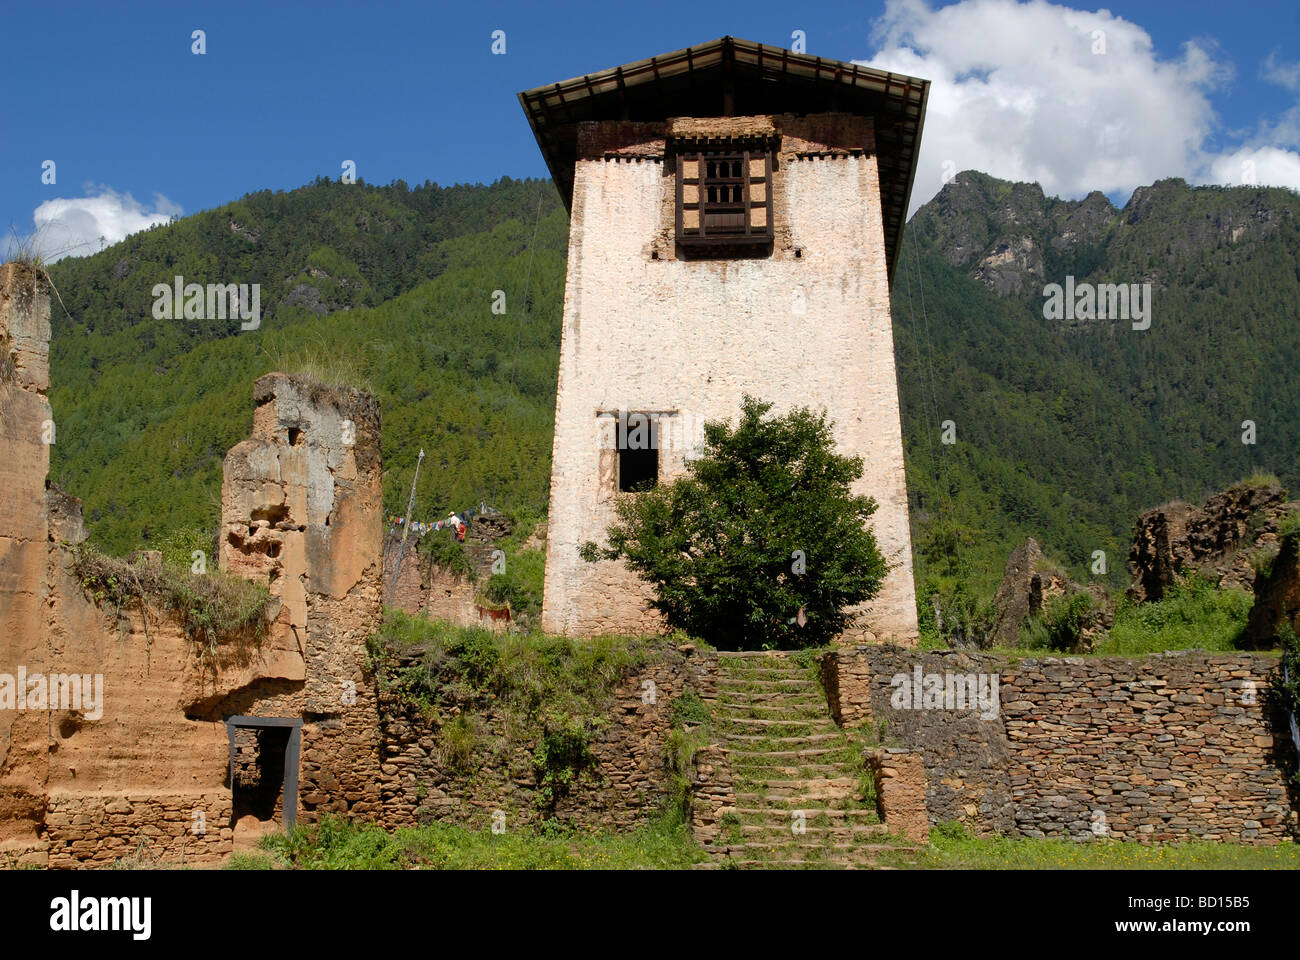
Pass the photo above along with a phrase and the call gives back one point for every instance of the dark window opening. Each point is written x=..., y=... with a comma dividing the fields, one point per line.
x=638, y=453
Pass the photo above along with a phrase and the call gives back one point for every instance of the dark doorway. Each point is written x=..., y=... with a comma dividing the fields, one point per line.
x=264, y=768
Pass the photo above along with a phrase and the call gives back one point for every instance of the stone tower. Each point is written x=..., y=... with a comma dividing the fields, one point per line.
x=736, y=216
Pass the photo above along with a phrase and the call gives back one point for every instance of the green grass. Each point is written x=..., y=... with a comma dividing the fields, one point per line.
x=526, y=675
x=664, y=844
x=1194, y=615
x=950, y=849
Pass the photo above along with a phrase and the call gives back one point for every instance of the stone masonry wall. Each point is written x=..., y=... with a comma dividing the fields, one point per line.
x=143, y=773
x=88, y=831
x=684, y=339
x=966, y=755
x=627, y=783
x=1164, y=748
x=1171, y=747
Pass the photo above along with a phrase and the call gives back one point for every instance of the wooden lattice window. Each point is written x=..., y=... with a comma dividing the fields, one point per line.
x=724, y=200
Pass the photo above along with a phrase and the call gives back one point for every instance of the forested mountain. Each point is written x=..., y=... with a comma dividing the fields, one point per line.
x=1065, y=429
x=386, y=287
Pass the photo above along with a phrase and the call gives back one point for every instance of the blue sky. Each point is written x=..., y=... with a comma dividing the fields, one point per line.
x=113, y=94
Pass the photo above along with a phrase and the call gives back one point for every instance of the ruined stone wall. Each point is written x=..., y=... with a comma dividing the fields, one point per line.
x=627, y=783
x=142, y=773
x=422, y=587
x=136, y=772
x=1171, y=747
x=646, y=331
x=302, y=508
x=1217, y=539
x=1277, y=596
x=24, y=463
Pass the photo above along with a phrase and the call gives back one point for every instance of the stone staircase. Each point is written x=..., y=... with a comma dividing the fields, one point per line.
x=799, y=778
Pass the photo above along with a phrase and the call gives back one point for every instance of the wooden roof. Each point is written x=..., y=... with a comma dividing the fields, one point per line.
x=731, y=77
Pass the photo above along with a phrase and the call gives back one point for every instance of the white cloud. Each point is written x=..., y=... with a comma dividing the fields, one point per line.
x=1073, y=100
x=72, y=227
x=1285, y=75
x=1266, y=166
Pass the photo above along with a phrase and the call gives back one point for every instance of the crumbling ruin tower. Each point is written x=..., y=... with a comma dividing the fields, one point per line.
x=301, y=509
x=26, y=423
x=736, y=213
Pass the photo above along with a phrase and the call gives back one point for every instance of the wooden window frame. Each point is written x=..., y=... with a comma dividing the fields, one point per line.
x=741, y=239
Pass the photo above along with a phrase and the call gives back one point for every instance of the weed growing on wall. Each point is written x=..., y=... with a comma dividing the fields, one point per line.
x=692, y=729
x=552, y=694
x=212, y=607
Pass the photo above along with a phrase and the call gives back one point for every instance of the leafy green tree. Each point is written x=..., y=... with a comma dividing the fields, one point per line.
x=763, y=543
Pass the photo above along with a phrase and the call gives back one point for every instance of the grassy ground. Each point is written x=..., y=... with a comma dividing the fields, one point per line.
x=662, y=845
x=667, y=845
x=950, y=850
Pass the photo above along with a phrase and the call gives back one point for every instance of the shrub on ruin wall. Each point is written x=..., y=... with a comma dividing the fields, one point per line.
x=211, y=607
x=442, y=549
x=1061, y=625
x=519, y=587
x=692, y=729
x=554, y=694
x=1194, y=614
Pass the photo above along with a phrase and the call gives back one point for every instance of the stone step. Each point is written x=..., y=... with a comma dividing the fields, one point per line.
x=800, y=682
x=800, y=864
x=728, y=665
x=762, y=722
x=837, y=830
x=749, y=698
x=810, y=752
x=760, y=768
x=776, y=731
x=813, y=783
x=760, y=774
x=783, y=707
x=784, y=804
x=744, y=716
x=864, y=848
x=816, y=737
x=812, y=812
